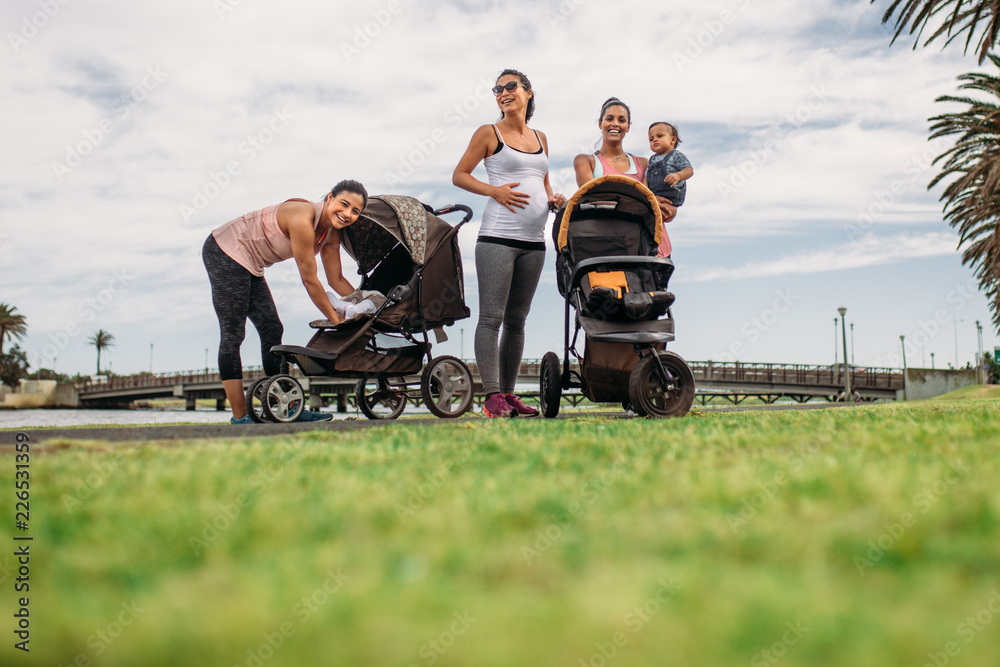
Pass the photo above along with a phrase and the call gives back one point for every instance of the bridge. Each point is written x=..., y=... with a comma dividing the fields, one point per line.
x=730, y=382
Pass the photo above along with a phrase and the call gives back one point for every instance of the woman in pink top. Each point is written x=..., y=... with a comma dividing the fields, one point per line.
x=614, y=123
x=236, y=255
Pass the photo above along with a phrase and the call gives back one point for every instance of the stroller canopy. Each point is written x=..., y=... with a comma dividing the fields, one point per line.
x=388, y=220
x=616, y=196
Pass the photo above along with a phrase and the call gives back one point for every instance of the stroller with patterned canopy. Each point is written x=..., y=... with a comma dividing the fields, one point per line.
x=412, y=270
x=606, y=239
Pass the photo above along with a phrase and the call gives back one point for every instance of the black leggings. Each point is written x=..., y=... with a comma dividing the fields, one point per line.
x=238, y=294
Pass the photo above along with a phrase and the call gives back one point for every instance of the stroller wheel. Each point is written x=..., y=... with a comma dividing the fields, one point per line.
x=446, y=386
x=377, y=399
x=655, y=396
x=282, y=399
x=255, y=401
x=550, y=382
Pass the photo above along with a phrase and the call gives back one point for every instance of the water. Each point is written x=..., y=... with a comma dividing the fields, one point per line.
x=70, y=418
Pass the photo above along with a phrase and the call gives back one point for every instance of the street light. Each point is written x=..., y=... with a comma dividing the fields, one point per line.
x=902, y=342
x=835, y=346
x=852, y=343
x=980, y=360
x=847, y=371
x=932, y=361
x=150, y=358
x=956, y=341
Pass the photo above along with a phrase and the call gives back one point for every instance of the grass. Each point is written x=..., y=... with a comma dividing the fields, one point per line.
x=979, y=391
x=860, y=536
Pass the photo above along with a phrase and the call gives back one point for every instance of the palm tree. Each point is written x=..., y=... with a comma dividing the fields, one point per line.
x=101, y=340
x=12, y=324
x=952, y=18
x=972, y=199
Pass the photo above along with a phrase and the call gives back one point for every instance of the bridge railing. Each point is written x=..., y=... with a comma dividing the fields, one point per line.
x=706, y=371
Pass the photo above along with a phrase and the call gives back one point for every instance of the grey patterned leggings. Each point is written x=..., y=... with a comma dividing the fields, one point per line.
x=507, y=281
x=238, y=294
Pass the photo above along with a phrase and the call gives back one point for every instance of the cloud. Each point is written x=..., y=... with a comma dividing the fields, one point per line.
x=869, y=251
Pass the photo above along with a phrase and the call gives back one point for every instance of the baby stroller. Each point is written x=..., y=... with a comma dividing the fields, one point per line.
x=606, y=268
x=410, y=255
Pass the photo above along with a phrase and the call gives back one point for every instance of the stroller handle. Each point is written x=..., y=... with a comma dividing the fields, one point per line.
x=663, y=265
x=455, y=207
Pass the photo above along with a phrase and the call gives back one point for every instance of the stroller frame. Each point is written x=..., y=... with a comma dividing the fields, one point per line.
x=658, y=383
x=382, y=392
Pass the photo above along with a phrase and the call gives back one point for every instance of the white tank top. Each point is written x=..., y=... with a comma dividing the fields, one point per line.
x=509, y=165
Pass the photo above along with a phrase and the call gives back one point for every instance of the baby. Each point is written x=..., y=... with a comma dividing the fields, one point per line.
x=668, y=168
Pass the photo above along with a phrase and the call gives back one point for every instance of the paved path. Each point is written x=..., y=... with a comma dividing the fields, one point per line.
x=170, y=432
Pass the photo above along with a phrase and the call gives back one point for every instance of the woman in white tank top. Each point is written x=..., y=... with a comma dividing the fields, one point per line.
x=510, y=250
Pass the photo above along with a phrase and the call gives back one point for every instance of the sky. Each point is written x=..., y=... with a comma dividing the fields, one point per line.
x=131, y=130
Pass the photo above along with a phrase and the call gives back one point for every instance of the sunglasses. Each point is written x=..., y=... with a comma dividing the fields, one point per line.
x=510, y=87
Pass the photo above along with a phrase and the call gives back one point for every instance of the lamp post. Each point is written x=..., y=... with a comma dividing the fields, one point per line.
x=836, y=358
x=980, y=360
x=150, y=358
x=852, y=343
x=902, y=343
x=461, y=332
x=932, y=361
x=956, y=341
x=847, y=370
x=206, y=361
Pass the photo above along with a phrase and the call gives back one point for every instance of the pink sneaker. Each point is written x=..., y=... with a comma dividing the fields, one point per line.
x=497, y=406
x=520, y=409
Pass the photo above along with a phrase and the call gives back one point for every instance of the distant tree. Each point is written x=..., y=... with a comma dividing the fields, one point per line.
x=972, y=198
x=48, y=374
x=948, y=19
x=13, y=366
x=101, y=340
x=12, y=324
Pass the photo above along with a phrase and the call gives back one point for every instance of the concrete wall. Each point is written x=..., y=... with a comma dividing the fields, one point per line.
x=42, y=394
x=926, y=383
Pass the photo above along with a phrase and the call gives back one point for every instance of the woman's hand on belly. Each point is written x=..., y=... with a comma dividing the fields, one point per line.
x=507, y=196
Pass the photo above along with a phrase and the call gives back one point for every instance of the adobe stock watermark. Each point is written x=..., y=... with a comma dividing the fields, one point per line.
x=427, y=145
x=303, y=611
x=34, y=24
x=421, y=493
x=966, y=631
x=227, y=514
x=593, y=488
x=773, y=654
x=708, y=32
x=101, y=640
x=562, y=12
x=634, y=621
x=224, y=8
x=761, y=150
x=248, y=150
x=95, y=136
x=927, y=329
x=366, y=33
x=432, y=650
x=894, y=531
x=86, y=311
x=766, y=491
x=87, y=486
x=758, y=325
x=885, y=198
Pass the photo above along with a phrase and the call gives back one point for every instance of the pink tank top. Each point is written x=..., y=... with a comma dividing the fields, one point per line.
x=256, y=242
x=664, y=248
x=607, y=168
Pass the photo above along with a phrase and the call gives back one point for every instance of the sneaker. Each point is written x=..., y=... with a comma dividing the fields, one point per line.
x=497, y=406
x=520, y=409
x=310, y=416
x=245, y=419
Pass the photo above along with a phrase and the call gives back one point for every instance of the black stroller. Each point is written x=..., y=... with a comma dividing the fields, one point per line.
x=606, y=268
x=408, y=254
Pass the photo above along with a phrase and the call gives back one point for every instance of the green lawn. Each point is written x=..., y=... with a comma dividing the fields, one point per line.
x=849, y=537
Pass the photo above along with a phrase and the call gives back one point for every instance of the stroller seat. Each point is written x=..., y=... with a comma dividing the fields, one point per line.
x=622, y=296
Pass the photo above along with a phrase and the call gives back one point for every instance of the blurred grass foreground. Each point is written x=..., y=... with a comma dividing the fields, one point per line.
x=849, y=537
